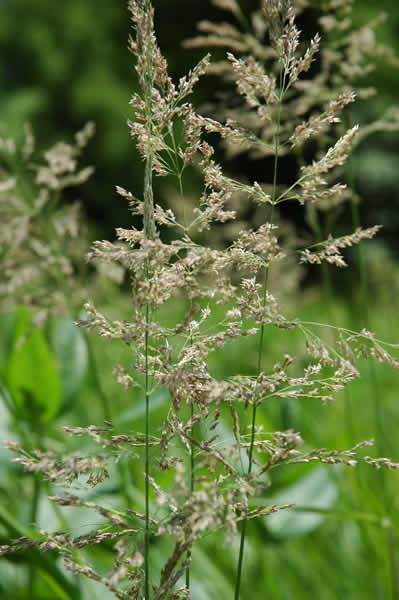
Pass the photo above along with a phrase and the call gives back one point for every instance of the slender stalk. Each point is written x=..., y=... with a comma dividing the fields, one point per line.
x=260, y=354
x=192, y=486
x=149, y=232
x=33, y=517
x=147, y=84
x=192, y=457
x=147, y=463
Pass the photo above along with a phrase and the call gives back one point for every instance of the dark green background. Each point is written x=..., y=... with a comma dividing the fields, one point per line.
x=63, y=63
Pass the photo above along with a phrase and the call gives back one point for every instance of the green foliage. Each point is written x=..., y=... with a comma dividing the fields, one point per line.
x=32, y=376
x=316, y=491
x=71, y=353
x=42, y=378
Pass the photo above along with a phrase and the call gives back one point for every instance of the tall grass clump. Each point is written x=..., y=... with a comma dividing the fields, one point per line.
x=208, y=467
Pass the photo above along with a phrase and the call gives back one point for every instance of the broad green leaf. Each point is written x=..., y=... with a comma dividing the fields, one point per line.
x=316, y=490
x=33, y=378
x=70, y=350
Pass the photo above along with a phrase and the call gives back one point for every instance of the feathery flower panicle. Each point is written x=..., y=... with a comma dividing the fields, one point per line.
x=330, y=250
x=320, y=123
x=335, y=156
x=280, y=16
x=313, y=186
x=252, y=81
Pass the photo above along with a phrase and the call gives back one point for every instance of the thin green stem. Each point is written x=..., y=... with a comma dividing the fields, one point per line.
x=260, y=356
x=149, y=228
x=149, y=232
x=33, y=518
x=192, y=485
x=147, y=462
x=192, y=472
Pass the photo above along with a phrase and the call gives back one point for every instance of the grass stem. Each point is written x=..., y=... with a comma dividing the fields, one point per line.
x=149, y=230
x=147, y=463
x=33, y=519
x=192, y=486
x=260, y=356
x=149, y=234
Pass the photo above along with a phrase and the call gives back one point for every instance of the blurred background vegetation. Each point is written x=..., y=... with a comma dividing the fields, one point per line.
x=63, y=64
x=63, y=67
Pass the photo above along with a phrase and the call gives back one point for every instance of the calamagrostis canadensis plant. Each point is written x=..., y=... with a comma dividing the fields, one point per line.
x=197, y=479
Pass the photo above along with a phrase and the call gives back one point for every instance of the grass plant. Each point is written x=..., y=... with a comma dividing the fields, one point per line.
x=199, y=456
